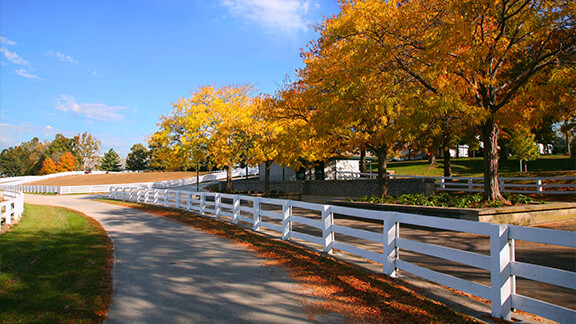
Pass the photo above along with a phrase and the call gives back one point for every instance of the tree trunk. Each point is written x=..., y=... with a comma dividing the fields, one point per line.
x=490, y=134
x=432, y=159
x=229, y=178
x=503, y=150
x=362, y=161
x=447, y=162
x=382, y=176
x=268, y=166
x=568, y=143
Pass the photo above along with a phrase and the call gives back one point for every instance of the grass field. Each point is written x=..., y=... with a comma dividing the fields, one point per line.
x=113, y=178
x=55, y=268
x=546, y=166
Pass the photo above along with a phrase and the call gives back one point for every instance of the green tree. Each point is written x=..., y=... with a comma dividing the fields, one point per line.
x=522, y=142
x=110, y=161
x=10, y=161
x=138, y=158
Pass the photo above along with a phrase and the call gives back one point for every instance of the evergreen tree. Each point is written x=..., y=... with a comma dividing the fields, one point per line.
x=138, y=158
x=110, y=161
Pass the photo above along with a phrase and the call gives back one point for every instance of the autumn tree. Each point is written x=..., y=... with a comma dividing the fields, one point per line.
x=60, y=145
x=66, y=163
x=110, y=161
x=278, y=132
x=213, y=123
x=359, y=99
x=48, y=167
x=494, y=48
x=138, y=158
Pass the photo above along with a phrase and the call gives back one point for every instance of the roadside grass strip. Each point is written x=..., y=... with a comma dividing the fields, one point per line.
x=361, y=296
x=55, y=267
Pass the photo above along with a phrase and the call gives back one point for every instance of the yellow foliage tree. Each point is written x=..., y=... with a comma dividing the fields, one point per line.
x=214, y=123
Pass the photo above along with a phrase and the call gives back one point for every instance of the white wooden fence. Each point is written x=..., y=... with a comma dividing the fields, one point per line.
x=215, y=176
x=11, y=205
x=532, y=185
x=285, y=216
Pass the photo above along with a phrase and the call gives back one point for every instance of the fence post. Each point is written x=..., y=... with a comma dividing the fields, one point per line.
x=177, y=199
x=256, y=214
x=539, y=186
x=8, y=216
x=217, y=207
x=501, y=184
x=155, y=196
x=327, y=233
x=165, y=197
x=391, y=232
x=500, y=274
x=188, y=200
x=286, y=222
x=202, y=203
x=442, y=185
x=469, y=184
x=236, y=209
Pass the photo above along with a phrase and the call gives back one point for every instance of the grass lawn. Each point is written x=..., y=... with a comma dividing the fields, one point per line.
x=55, y=268
x=546, y=166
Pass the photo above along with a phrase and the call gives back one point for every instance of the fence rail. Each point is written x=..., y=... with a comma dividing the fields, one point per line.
x=525, y=185
x=106, y=188
x=11, y=205
x=288, y=218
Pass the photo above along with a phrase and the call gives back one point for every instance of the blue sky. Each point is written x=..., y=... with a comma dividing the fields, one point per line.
x=113, y=67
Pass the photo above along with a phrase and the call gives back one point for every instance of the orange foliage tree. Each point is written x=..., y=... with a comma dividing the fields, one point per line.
x=48, y=167
x=66, y=163
x=490, y=49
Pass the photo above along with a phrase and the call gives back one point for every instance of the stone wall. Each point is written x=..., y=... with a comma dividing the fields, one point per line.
x=341, y=188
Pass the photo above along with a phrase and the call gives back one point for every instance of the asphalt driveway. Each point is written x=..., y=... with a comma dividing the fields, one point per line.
x=165, y=272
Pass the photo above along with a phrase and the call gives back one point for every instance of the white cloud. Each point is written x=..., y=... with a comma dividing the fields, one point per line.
x=27, y=74
x=12, y=135
x=91, y=111
x=14, y=58
x=4, y=40
x=61, y=56
x=49, y=127
x=286, y=16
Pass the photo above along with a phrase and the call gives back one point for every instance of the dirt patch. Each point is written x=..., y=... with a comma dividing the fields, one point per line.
x=113, y=178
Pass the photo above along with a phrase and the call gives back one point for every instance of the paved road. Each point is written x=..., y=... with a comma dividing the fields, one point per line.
x=165, y=272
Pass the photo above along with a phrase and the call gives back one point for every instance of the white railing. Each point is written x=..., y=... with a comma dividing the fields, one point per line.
x=532, y=185
x=11, y=205
x=286, y=216
x=215, y=176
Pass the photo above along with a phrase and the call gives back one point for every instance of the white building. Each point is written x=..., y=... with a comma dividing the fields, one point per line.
x=330, y=170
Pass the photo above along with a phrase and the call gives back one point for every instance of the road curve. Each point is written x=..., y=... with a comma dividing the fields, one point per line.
x=165, y=272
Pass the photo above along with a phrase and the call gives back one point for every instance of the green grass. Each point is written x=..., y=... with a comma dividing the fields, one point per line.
x=55, y=268
x=546, y=166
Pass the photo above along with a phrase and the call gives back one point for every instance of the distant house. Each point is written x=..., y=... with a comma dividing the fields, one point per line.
x=329, y=170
